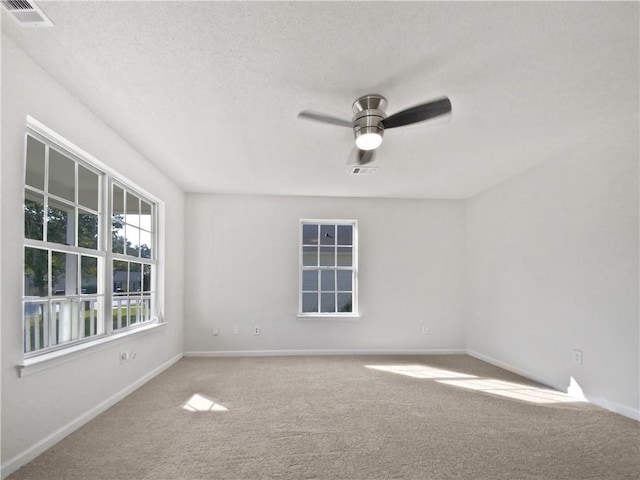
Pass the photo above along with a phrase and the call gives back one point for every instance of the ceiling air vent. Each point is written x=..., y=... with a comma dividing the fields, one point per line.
x=27, y=14
x=364, y=170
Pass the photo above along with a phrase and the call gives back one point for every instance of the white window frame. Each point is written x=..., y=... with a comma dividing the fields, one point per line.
x=354, y=314
x=107, y=178
x=125, y=257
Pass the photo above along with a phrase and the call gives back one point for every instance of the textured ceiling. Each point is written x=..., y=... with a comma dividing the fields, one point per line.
x=210, y=91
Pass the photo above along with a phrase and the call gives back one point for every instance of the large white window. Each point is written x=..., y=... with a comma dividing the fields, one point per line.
x=89, y=250
x=328, y=268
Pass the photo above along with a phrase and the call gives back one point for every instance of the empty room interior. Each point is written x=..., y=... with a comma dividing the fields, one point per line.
x=320, y=240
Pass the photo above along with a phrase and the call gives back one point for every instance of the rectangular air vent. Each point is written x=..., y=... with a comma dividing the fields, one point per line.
x=364, y=170
x=26, y=13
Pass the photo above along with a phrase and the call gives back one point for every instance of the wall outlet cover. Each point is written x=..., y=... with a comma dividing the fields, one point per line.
x=577, y=357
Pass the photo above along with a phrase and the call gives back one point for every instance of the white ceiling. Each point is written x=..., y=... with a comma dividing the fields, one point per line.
x=210, y=91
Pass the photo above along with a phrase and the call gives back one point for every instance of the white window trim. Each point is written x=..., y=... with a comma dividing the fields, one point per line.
x=329, y=316
x=36, y=364
x=36, y=361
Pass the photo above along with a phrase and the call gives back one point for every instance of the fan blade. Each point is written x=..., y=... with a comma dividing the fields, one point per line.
x=321, y=117
x=360, y=157
x=418, y=113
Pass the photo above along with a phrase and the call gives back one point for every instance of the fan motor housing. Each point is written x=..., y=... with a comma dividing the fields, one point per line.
x=368, y=115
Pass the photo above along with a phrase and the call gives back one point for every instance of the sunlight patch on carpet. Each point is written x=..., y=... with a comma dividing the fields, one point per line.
x=420, y=371
x=200, y=403
x=516, y=391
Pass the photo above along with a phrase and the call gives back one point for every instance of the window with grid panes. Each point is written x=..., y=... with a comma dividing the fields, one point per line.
x=132, y=264
x=67, y=263
x=328, y=268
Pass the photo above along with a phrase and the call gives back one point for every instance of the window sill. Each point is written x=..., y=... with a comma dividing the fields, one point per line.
x=324, y=317
x=32, y=365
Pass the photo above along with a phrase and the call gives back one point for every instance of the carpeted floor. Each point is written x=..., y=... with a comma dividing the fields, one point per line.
x=356, y=417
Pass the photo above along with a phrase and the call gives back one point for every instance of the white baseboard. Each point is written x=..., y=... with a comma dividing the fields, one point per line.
x=283, y=353
x=600, y=402
x=518, y=371
x=32, y=452
x=616, y=407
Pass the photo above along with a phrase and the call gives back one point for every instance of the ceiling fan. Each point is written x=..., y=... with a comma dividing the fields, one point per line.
x=370, y=121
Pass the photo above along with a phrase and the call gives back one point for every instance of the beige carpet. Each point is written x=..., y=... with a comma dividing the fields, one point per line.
x=358, y=417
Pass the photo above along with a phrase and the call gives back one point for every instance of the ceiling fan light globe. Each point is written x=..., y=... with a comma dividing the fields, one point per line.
x=368, y=141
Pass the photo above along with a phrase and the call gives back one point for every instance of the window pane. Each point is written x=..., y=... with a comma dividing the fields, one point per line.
x=327, y=257
x=328, y=302
x=133, y=210
x=344, y=280
x=90, y=316
x=327, y=234
x=88, y=188
x=35, y=163
x=146, y=278
x=120, y=312
x=88, y=275
x=120, y=276
x=117, y=237
x=133, y=311
x=87, y=230
x=310, y=280
x=309, y=302
x=345, y=304
x=64, y=273
x=60, y=228
x=310, y=256
x=310, y=234
x=36, y=319
x=36, y=272
x=33, y=215
x=145, y=244
x=145, y=215
x=345, y=234
x=133, y=240
x=345, y=257
x=328, y=280
x=62, y=175
x=135, y=277
x=117, y=220
x=66, y=321
x=144, y=306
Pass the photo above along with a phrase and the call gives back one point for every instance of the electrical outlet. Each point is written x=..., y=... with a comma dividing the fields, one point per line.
x=425, y=329
x=124, y=356
x=256, y=330
x=577, y=357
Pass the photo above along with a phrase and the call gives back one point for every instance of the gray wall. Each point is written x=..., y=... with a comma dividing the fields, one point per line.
x=553, y=267
x=521, y=275
x=39, y=408
x=242, y=264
